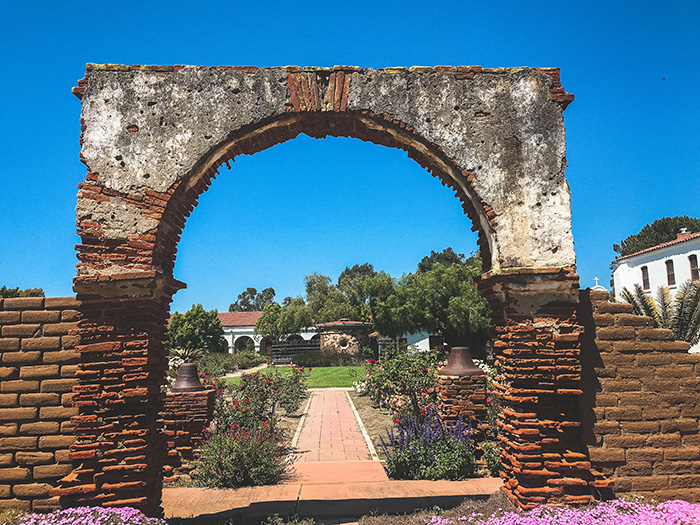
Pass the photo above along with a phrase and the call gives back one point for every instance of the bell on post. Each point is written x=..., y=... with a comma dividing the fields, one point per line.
x=187, y=379
x=460, y=363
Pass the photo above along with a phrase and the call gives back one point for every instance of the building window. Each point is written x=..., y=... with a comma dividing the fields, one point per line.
x=670, y=274
x=694, y=272
x=645, y=277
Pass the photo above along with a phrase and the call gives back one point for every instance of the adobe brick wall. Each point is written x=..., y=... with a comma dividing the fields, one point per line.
x=37, y=372
x=185, y=416
x=641, y=402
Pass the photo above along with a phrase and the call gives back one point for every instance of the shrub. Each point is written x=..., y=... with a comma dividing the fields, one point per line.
x=492, y=455
x=217, y=363
x=291, y=387
x=243, y=446
x=426, y=448
x=492, y=400
x=92, y=516
x=248, y=358
x=404, y=380
x=258, y=396
x=238, y=457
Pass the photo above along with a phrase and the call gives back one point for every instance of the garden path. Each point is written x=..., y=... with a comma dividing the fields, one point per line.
x=331, y=445
x=328, y=482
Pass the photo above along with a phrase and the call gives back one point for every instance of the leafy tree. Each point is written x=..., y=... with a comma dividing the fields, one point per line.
x=446, y=257
x=681, y=315
x=278, y=321
x=8, y=293
x=197, y=328
x=660, y=231
x=351, y=283
x=442, y=299
x=268, y=323
x=252, y=301
x=326, y=302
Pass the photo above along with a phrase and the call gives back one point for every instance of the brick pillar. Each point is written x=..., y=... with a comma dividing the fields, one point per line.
x=119, y=451
x=538, y=383
x=461, y=388
x=463, y=396
x=185, y=416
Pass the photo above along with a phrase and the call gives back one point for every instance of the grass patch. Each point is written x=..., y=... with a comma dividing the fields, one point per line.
x=321, y=377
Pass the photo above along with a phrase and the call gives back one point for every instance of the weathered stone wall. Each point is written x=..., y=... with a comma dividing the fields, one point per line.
x=37, y=369
x=641, y=402
x=150, y=129
x=185, y=416
x=343, y=341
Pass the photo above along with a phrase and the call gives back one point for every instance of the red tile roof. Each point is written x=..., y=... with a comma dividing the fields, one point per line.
x=239, y=318
x=682, y=237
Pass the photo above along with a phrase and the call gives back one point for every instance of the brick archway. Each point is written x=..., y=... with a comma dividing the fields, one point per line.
x=153, y=138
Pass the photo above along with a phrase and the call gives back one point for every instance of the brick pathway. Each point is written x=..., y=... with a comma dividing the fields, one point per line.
x=330, y=431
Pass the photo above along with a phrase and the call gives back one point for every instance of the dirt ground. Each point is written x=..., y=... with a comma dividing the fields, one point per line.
x=498, y=503
x=376, y=420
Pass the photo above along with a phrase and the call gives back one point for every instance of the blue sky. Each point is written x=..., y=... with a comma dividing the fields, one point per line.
x=319, y=205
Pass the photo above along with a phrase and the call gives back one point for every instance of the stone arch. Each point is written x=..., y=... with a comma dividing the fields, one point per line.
x=153, y=138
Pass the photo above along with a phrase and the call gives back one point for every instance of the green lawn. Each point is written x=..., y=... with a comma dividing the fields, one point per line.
x=321, y=377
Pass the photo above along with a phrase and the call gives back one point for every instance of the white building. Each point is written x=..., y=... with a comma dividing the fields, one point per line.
x=667, y=265
x=239, y=331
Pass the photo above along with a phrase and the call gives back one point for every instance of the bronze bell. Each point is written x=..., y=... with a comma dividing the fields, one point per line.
x=187, y=379
x=460, y=364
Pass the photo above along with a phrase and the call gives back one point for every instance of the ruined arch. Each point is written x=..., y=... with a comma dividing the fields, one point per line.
x=153, y=138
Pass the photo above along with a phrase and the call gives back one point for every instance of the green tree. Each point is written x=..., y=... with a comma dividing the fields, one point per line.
x=660, y=231
x=9, y=293
x=681, y=315
x=278, y=321
x=441, y=300
x=250, y=300
x=351, y=283
x=326, y=302
x=446, y=257
x=197, y=328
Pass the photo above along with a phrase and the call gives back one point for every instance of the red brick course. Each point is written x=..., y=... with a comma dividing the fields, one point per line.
x=537, y=344
x=185, y=416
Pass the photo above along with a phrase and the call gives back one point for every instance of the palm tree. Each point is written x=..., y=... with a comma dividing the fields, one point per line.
x=681, y=314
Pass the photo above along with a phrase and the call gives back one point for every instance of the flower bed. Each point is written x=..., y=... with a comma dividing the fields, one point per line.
x=425, y=448
x=420, y=446
x=244, y=445
x=616, y=512
x=90, y=516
